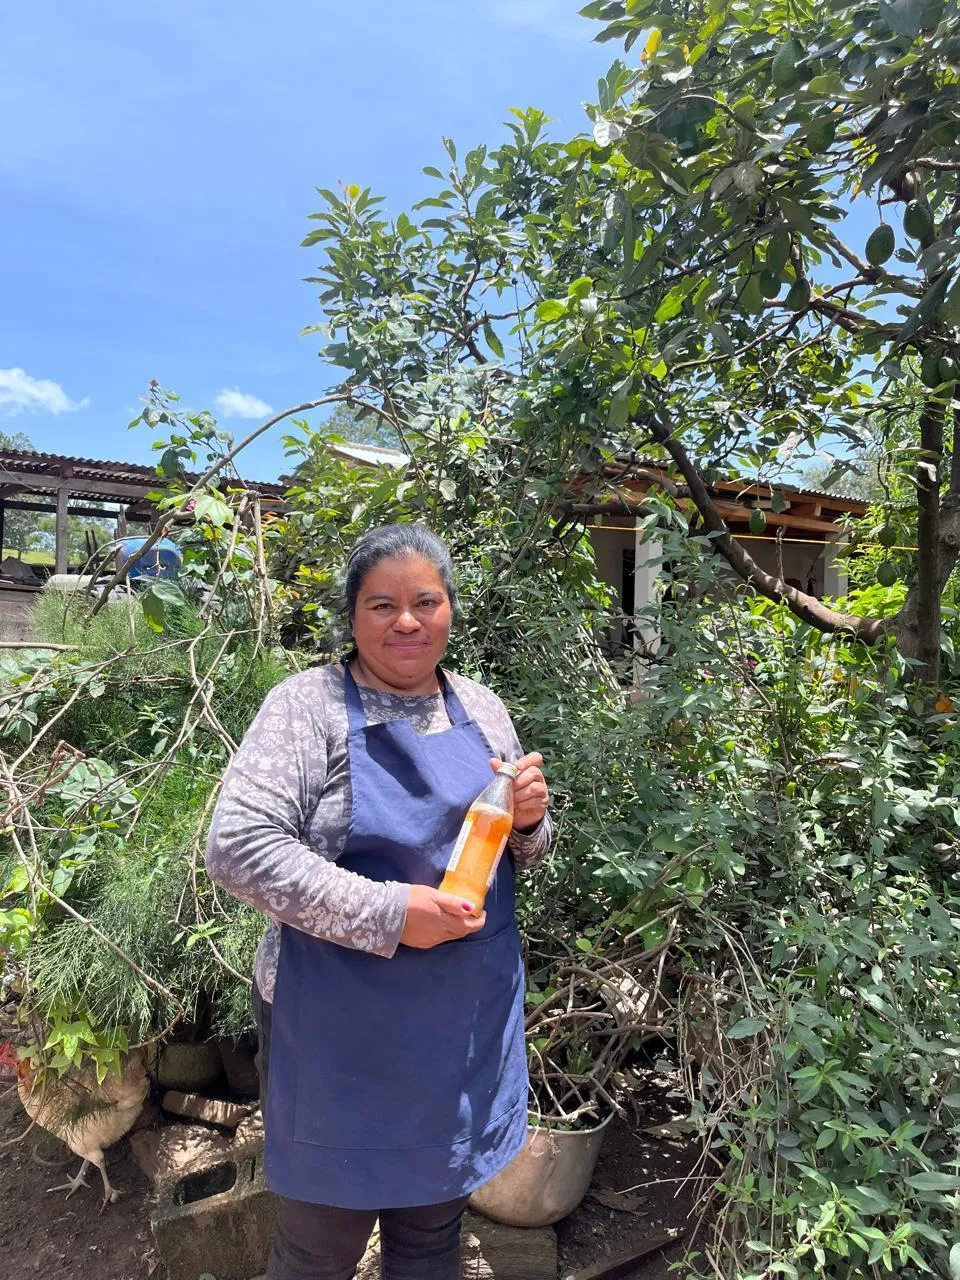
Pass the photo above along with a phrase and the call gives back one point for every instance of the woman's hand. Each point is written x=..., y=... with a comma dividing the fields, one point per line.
x=434, y=917
x=530, y=794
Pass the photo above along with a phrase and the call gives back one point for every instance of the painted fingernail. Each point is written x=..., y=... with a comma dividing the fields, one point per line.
x=467, y=906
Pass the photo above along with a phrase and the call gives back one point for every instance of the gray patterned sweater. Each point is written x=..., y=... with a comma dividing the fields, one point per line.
x=283, y=814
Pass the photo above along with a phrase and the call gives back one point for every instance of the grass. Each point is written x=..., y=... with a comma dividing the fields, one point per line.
x=29, y=557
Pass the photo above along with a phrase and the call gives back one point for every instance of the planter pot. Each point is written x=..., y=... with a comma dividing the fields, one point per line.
x=546, y=1181
x=189, y=1067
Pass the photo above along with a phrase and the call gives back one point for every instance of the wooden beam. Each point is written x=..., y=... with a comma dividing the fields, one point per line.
x=624, y=1263
x=49, y=508
x=61, y=553
x=103, y=489
x=814, y=509
x=734, y=513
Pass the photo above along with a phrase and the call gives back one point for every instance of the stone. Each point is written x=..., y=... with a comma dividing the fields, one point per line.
x=490, y=1251
x=227, y=1115
x=250, y=1129
x=219, y=1220
x=188, y=1066
x=168, y=1153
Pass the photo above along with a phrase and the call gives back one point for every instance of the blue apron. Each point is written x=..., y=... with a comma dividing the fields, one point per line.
x=404, y=1081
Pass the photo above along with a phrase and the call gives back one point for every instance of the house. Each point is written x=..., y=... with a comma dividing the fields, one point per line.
x=799, y=543
x=62, y=486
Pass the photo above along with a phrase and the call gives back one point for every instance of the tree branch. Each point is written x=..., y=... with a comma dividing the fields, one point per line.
x=808, y=608
x=943, y=166
x=168, y=517
x=873, y=275
x=582, y=509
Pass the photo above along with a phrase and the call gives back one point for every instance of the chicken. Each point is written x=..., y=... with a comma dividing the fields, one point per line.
x=85, y=1115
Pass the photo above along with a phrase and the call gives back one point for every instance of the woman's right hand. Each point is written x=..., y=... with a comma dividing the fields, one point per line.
x=434, y=917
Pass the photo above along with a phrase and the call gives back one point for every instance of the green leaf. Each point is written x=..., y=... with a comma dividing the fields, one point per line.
x=745, y=1028
x=158, y=597
x=209, y=507
x=869, y=1199
x=934, y=259
x=926, y=308
x=606, y=131
x=955, y=1262
x=551, y=309
x=933, y=1181
x=493, y=342
x=629, y=237
x=170, y=463
x=620, y=403
x=797, y=216
x=905, y=17
x=671, y=305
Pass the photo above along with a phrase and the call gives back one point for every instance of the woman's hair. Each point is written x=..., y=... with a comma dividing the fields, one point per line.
x=389, y=542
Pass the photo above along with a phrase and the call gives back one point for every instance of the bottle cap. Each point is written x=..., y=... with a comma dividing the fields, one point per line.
x=509, y=769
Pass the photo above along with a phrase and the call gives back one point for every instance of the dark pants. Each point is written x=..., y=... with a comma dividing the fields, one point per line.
x=321, y=1242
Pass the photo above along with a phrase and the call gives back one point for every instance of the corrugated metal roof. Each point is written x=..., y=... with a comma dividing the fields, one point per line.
x=745, y=486
x=373, y=455
x=823, y=493
x=23, y=464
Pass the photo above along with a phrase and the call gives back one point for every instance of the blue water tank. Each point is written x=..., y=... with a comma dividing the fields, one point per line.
x=163, y=560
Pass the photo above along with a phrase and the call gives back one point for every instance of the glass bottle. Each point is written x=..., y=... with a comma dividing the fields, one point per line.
x=482, y=840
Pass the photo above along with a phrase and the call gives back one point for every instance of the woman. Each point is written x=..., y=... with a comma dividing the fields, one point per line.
x=391, y=1020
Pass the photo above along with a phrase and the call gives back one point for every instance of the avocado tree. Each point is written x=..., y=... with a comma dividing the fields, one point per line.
x=751, y=138
x=681, y=286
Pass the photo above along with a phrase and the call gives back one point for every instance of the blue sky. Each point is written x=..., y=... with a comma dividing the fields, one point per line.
x=157, y=165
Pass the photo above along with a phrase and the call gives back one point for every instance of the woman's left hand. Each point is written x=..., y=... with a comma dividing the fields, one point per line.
x=530, y=794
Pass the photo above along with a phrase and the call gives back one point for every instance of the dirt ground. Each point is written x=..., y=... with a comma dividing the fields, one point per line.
x=640, y=1188
x=42, y=1234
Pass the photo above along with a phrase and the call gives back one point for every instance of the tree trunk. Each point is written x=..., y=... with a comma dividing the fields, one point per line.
x=918, y=629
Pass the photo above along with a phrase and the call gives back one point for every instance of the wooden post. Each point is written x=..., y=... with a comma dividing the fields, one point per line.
x=122, y=521
x=61, y=555
x=3, y=512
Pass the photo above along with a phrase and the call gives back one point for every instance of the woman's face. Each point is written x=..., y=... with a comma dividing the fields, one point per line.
x=402, y=622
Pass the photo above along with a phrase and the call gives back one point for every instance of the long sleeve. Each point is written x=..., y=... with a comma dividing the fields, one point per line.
x=256, y=847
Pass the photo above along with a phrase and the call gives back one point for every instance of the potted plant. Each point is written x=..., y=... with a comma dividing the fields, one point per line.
x=589, y=1004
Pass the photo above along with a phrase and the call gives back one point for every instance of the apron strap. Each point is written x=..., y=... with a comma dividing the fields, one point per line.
x=455, y=708
x=357, y=717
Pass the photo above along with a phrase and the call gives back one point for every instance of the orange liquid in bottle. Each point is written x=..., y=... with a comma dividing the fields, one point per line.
x=473, y=863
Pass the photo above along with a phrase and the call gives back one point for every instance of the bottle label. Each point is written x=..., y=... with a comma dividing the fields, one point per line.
x=461, y=841
x=496, y=861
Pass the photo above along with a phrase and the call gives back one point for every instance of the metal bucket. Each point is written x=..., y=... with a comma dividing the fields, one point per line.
x=546, y=1181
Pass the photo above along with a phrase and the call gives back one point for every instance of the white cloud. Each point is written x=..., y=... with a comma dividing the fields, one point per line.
x=237, y=404
x=19, y=393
